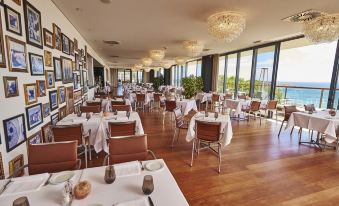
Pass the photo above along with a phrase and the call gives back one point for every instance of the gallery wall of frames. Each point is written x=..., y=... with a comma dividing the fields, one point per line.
x=44, y=72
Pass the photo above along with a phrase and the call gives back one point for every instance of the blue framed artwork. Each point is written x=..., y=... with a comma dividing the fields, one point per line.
x=53, y=99
x=34, y=115
x=15, y=131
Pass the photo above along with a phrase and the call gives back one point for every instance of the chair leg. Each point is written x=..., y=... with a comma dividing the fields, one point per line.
x=90, y=152
x=280, y=128
x=175, y=131
x=219, y=154
x=85, y=156
x=193, y=148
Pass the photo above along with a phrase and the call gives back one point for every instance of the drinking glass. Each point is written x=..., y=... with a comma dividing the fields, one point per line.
x=21, y=201
x=206, y=113
x=88, y=116
x=216, y=114
x=109, y=174
x=128, y=114
x=147, y=185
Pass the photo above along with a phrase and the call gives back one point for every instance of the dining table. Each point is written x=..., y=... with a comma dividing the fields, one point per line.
x=125, y=190
x=186, y=105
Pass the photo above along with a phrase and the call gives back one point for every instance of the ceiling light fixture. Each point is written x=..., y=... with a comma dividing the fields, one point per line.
x=138, y=66
x=166, y=65
x=147, y=69
x=146, y=61
x=227, y=25
x=193, y=48
x=157, y=54
x=180, y=60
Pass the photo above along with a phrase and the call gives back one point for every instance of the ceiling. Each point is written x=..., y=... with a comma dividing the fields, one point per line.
x=141, y=25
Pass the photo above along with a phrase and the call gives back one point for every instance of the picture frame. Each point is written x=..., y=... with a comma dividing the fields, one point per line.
x=77, y=96
x=70, y=99
x=49, y=78
x=55, y=118
x=41, y=88
x=18, y=2
x=32, y=25
x=35, y=138
x=76, y=57
x=66, y=70
x=57, y=69
x=36, y=63
x=77, y=108
x=34, y=115
x=16, y=55
x=45, y=110
x=48, y=58
x=15, y=164
x=61, y=94
x=75, y=81
x=57, y=42
x=11, y=86
x=62, y=112
x=48, y=38
x=2, y=47
x=65, y=44
x=53, y=99
x=13, y=20
x=71, y=47
x=15, y=131
x=30, y=93
x=2, y=172
x=76, y=46
x=47, y=133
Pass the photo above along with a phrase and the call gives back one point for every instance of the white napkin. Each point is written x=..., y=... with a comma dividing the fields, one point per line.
x=127, y=169
x=137, y=202
x=25, y=184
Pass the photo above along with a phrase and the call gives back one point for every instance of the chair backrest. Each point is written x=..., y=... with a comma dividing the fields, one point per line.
x=117, y=103
x=52, y=157
x=215, y=97
x=63, y=133
x=255, y=105
x=127, y=148
x=122, y=128
x=141, y=97
x=170, y=105
x=179, y=120
x=157, y=97
x=242, y=96
x=86, y=109
x=228, y=96
x=288, y=111
x=95, y=103
x=272, y=104
x=309, y=107
x=208, y=131
x=126, y=108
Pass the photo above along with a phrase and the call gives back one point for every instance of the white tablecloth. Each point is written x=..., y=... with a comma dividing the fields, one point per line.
x=166, y=191
x=236, y=105
x=226, y=126
x=187, y=105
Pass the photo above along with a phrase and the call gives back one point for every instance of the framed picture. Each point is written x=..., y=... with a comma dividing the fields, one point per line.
x=85, y=55
x=41, y=85
x=49, y=77
x=45, y=109
x=77, y=108
x=30, y=91
x=53, y=99
x=18, y=2
x=15, y=131
x=57, y=69
x=34, y=116
x=71, y=47
x=15, y=164
x=62, y=112
x=76, y=61
x=13, y=20
x=76, y=46
x=61, y=94
x=70, y=100
x=84, y=78
x=65, y=44
x=16, y=55
x=48, y=38
x=48, y=58
x=33, y=25
x=11, y=86
x=54, y=118
x=36, y=63
x=47, y=133
x=75, y=81
x=2, y=48
x=79, y=79
x=66, y=70
x=2, y=172
x=57, y=44
x=35, y=138
x=77, y=96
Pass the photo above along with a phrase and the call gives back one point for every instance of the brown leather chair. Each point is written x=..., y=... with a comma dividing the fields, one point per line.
x=288, y=111
x=180, y=124
x=157, y=101
x=127, y=148
x=126, y=108
x=309, y=107
x=113, y=102
x=73, y=132
x=140, y=101
x=94, y=103
x=242, y=96
x=51, y=158
x=116, y=129
x=207, y=133
x=170, y=105
x=254, y=108
x=272, y=107
x=87, y=109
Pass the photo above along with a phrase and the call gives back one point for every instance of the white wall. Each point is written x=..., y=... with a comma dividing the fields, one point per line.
x=10, y=107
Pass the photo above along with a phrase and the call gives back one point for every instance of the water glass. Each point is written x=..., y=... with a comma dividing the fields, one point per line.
x=216, y=114
x=21, y=201
x=206, y=113
x=110, y=174
x=88, y=116
x=128, y=113
x=147, y=185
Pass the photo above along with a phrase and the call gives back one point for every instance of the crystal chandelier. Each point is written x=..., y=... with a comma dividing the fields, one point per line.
x=137, y=66
x=322, y=29
x=180, y=60
x=227, y=25
x=157, y=54
x=147, y=69
x=156, y=69
x=166, y=65
x=146, y=61
x=193, y=48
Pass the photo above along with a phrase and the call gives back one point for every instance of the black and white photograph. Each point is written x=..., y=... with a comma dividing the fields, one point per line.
x=15, y=131
x=66, y=69
x=53, y=99
x=35, y=138
x=13, y=21
x=45, y=110
x=49, y=77
x=57, y=69
x=65, y=44
x=57, y=43
x=16, y=54
x=54, y=118
x=33, y=25
x=48, y=38
x=11, y=86
x=61, y=94
x=34, y=116
x=36, y=63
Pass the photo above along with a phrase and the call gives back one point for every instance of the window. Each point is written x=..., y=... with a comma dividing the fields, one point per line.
x=135, y=77
x=127, y=75
x=140, y=76
x=245, y=69
x=199, y=68
x=192, y=68
x=231, y=72
x=221, y=73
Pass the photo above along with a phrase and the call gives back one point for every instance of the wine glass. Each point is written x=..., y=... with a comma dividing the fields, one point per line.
x=88, y=116
x=216, y=114
x=115, y=113
x=206, y=113
x=147, y=185
x=110, y=174
x=128, y=114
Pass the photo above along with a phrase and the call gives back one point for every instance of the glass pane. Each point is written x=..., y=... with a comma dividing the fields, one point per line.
x=172, y=75
x=121, y=75
x=231, y=70
x=191, y=68
x=263, y=72
x=221, y=72
x=140, y=76
x=134, y=77
x=303, y=66
x=127, y=75
x=199, y=68
x=245, y=72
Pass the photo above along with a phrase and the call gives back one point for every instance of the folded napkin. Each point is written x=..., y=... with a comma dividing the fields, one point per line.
x=137, y=202
x=127, y=169
x=25, y=184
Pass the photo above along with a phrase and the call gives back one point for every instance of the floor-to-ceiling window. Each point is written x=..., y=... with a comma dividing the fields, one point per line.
x=134, y=76
x=199, y=68
x=173, y=75
x=140, y=76
x=191, y=68
x=245, y=69
x=231, y=72
x=221, y=74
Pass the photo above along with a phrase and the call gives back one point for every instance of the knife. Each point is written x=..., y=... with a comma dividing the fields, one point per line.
x=150, y=201
x=5, y=186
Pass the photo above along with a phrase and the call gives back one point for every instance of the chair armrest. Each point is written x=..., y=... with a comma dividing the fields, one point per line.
x=15, y=173
x=152, y=154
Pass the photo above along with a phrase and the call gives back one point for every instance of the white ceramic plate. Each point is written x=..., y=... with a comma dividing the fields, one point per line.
x=154, y=166
x=61, y=177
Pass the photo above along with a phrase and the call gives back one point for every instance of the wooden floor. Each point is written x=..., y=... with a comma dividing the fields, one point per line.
x=257, y=167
